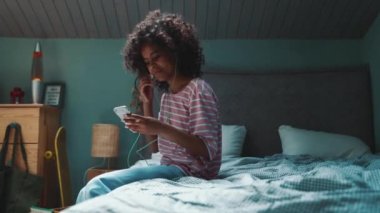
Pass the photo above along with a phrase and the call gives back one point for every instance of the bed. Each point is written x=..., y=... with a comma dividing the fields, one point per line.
x=293, y=141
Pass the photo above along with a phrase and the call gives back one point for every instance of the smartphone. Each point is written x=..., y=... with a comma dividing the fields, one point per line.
x=121, y=111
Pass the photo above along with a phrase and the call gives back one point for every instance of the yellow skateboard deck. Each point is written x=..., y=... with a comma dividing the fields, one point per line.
x=62, y=168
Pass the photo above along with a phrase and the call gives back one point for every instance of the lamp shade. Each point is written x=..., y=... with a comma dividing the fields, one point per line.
x=105, y=140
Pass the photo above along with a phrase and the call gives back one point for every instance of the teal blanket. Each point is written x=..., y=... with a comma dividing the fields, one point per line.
x=277, y=183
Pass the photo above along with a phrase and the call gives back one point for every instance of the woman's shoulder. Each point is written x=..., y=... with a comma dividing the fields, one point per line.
x=200, y=86
x=200, y=83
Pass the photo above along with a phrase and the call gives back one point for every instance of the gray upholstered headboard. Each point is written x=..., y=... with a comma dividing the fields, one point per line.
x=336, y=100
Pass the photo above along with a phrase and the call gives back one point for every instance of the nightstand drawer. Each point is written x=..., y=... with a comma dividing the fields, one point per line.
x=39, y=125
x=28, y=118
x=31, y=152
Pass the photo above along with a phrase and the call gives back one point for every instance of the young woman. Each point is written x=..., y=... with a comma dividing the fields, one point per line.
x=163, y=51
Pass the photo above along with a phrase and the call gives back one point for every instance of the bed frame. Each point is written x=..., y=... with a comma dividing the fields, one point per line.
x=335, y=100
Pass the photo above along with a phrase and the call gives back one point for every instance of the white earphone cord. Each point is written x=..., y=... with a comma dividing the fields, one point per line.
x=138, y=136
x=138, y=150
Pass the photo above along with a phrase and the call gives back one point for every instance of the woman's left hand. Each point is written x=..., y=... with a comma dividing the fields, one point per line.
x=146, y=89
x=142, y=124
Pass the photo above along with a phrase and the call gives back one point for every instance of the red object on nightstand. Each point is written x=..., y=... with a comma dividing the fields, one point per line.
x=17, y=95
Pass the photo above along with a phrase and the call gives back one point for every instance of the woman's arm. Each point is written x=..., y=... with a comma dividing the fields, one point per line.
x=146, y=97
x=191, y=142
x=151, y=126
x=148, y=111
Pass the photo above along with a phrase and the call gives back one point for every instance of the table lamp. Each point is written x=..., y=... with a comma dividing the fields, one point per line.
x=105, y=141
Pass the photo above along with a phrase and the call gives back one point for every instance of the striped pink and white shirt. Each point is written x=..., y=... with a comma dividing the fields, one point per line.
x=193, y=110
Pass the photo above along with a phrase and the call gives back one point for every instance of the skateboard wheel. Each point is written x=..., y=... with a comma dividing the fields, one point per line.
x=48, y=154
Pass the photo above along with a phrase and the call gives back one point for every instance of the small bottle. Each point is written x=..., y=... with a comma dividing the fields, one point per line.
x=37, y=74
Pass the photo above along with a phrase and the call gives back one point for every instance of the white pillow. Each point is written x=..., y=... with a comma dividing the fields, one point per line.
x=233, y=137
x=320, y=144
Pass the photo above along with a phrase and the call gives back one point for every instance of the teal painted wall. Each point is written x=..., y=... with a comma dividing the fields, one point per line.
x=371, y=55
x=96, y=80
x=95, y=83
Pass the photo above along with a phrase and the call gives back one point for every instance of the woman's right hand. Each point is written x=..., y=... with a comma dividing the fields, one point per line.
x=145, y=89
x=145, y=125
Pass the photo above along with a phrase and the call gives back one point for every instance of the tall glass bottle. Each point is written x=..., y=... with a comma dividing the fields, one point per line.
x=37, y=74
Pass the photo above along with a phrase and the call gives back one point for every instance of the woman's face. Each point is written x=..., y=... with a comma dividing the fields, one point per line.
x=159, y=62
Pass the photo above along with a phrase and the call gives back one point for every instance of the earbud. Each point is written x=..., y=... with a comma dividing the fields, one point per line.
x=151, y=77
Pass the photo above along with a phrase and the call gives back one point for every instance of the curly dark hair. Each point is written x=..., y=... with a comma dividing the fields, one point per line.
x=170, y=32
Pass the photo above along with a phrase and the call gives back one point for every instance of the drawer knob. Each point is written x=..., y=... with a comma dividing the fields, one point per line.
x=48, y=154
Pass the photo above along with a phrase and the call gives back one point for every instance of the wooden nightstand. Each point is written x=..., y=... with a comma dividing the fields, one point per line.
x=39, y=125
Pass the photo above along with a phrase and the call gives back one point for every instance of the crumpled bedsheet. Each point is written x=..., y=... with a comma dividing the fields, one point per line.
x=277, y=183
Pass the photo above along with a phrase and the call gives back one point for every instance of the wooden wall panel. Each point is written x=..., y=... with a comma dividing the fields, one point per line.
x=39, y=10
x=214, y=19
x=8, y=17
x=77, y=17
x=66, y=18
x=122, y=17
x=56, y=21
x=88, y=18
